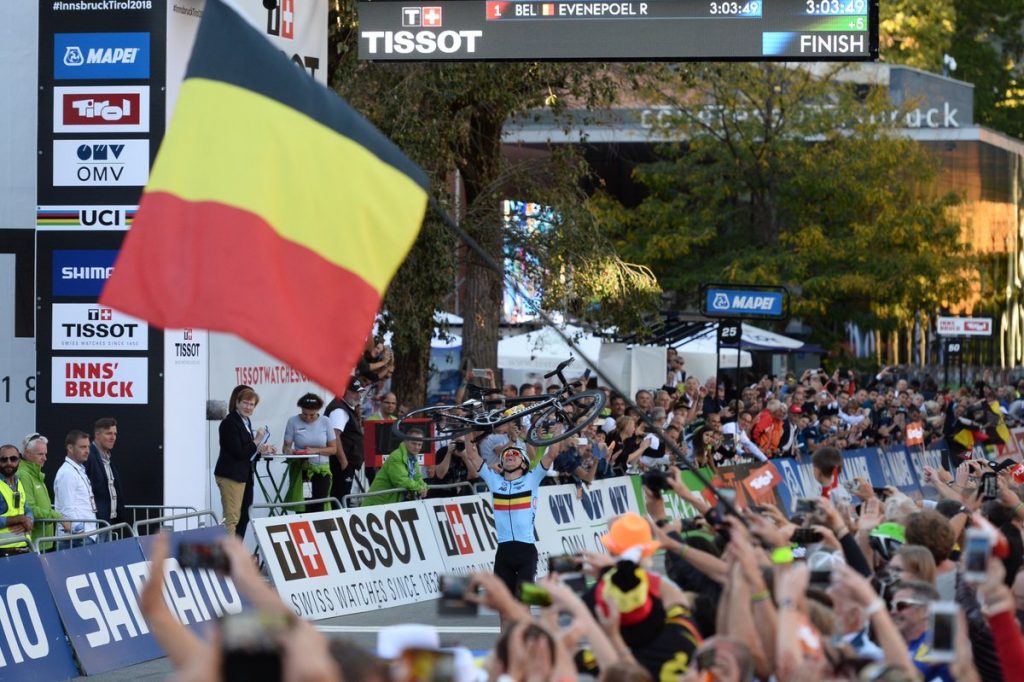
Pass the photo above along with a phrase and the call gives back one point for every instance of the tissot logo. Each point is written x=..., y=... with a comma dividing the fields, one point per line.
x=84, y=326
x=281, y=20
x=462, y=523
x=421, y=42
x=429, y=17
x=100, y=314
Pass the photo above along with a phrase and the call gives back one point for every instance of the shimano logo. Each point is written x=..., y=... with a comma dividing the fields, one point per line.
x=421, y=42
x=85, y=272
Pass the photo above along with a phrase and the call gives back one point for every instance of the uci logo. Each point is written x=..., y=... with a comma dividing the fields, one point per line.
x=73, y=56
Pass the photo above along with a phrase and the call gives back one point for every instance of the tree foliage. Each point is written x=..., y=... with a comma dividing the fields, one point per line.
x=916, y=32
x=783, y=176
x=450, y=118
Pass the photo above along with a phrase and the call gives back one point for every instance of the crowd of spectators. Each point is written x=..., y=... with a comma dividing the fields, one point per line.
x=86, y=489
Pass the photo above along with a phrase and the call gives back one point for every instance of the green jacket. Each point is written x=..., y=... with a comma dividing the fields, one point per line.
x=395, y=474
x=34, y=481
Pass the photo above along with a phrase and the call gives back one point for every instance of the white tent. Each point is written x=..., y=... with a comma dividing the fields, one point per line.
x=542, y=350
x=699, y=354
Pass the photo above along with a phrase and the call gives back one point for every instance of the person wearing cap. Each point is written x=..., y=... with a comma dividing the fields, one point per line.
x=515, y=508
x=401, y=469
x=652, y=620
x=347, y=423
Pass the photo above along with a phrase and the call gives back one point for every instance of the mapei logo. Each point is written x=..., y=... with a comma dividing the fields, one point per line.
x=100, y=163
x=281, y=19
x=112, y=108
x=427, y=17
x=92, y=56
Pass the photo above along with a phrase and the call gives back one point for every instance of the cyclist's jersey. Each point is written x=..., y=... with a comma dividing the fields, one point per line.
x=515, y=503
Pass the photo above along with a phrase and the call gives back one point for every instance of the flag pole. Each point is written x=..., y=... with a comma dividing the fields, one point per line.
x=487, y=260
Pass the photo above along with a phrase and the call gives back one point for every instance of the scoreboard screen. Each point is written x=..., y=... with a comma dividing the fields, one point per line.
x=604, y=30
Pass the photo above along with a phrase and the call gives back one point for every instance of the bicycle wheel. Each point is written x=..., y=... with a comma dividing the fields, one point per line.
x=573, y=412
x=449, y=421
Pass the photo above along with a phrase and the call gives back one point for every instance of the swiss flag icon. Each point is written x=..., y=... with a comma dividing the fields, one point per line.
x=432, y=16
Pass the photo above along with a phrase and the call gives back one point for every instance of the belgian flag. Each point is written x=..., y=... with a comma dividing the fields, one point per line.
x=273, y=211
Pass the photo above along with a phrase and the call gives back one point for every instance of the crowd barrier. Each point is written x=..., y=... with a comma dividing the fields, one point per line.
x=83, y=604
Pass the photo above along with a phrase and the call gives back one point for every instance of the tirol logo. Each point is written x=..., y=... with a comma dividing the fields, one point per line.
x=458, y=524
x=91, y=56
x=281, y=19
x=112, y=108
x=100, y=163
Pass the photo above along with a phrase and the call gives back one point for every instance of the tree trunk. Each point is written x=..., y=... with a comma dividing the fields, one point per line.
x=483, y=286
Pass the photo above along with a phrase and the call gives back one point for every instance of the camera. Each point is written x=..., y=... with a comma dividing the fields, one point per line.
x=453, y=600
x=807, y=505
x=252, y=645
x=821, y=579
x=200, y=555
x=570, y=568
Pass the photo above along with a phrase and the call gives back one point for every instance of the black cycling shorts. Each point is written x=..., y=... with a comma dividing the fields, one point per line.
x=515, y=563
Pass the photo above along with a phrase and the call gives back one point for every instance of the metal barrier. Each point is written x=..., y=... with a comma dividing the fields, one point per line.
x=99, y=522
x=345, y=500
x=453, y=486
x=12, y=539
x=144, y=512
x=480, y=487
x=113, y=532
x=161, y=520
x=285, y=506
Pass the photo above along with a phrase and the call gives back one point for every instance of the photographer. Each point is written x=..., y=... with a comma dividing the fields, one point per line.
x=450, y=467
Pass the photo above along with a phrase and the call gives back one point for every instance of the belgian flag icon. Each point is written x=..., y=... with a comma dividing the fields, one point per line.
x=548, y=9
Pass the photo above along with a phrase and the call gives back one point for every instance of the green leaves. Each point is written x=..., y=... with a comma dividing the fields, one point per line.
x=788, y=176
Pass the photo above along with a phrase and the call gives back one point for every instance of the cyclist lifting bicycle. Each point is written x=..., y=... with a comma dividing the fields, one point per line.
x=515, y=507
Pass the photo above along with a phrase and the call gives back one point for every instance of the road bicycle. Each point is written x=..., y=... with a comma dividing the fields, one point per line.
x=571, y=406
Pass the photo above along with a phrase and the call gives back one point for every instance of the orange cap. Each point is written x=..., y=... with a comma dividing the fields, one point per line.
x=628, y=531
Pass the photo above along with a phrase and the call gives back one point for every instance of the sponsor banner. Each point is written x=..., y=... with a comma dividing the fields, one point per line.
x=33, y=645
x=80, y=272
x=100, y=163
x=185, y=346
x=101, y=109
x=95, y=217
x=93, y=56
x=898, y=470
x=675, y=506
x=98, y=380
x=1014, y=448
x=90, y=326
x=963, y=326
x=920, y=458
x=464, y=532
x=569, y=522
x=96, y=593
x=196, y=597
x=350, y=561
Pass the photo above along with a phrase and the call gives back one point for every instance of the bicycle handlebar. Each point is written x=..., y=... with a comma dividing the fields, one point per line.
x=558, y=370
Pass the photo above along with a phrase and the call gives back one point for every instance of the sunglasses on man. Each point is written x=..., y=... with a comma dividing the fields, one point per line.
x=904, y=604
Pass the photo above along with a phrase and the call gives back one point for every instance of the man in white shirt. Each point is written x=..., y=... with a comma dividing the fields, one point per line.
x=72, y=490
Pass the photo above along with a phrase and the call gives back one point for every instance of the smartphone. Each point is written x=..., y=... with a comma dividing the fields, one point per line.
x=977, y=550
x=806, y=536
x=479, y=373
x=821, y=579
x=806, y=505
x=534, y=595
x=203, y=555
x=582, y=441
x=425, y=665
x=851, y=486
x=453, y=600
x=251, y=643
x=565, y=563
x=705, y=659
x=989, y=486
x=1005, y=464
x=942, y=632
x=569, y=568
x=881, y=493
